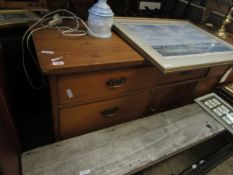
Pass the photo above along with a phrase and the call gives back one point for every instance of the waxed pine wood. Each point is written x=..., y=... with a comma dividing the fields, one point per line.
x=83, y=118
x=94, y=86
x=90, y=62
x=83, y=54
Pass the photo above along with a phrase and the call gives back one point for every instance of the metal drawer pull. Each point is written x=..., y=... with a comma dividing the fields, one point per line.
x=116, y=83
x=109, y=112
x=185, y=73
x=152, y=109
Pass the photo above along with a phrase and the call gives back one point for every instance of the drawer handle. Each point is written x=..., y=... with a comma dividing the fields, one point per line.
x=110, y=112
x=116, y=83
x=185, y=73
x=153, y=110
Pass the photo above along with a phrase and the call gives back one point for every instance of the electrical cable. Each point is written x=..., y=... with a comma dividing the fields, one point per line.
x=51, y=22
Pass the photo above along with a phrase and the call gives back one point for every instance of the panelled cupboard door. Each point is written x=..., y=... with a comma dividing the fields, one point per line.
x=171, y=96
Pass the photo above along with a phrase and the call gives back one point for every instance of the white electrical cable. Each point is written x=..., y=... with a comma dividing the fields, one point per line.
x=47, y=22
x=36, y=63
x=27, y=42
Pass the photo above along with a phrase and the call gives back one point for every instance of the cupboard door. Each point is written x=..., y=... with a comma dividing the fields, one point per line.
x=171, y=96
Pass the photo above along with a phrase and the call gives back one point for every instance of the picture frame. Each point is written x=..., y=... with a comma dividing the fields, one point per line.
x=13, y=18
x=173, y=45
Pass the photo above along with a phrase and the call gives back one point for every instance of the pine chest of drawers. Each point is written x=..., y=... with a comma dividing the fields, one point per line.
x=103, y=82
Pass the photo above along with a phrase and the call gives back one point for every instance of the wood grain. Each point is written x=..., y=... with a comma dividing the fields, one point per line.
x=83, y=53
x=173, y=95
x=92, y=86
x=125, y=148
x=80, y=119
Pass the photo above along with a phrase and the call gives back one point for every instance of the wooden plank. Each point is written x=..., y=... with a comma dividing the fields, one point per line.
x=125, y=148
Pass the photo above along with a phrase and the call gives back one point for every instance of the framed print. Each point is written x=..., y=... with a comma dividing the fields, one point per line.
x=174, y=44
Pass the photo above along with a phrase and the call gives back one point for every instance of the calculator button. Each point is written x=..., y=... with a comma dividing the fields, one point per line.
x=218, y=112
x=227, y=120
x=216, y=101
x=225, y=108
x=212, y=103
x=208, y=104
x=221, y=110
x=230, y=116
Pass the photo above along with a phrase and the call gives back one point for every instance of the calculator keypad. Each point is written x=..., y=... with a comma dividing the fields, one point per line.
x=218, y=108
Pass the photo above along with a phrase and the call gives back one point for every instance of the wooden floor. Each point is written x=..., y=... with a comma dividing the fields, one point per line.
x=125, y=148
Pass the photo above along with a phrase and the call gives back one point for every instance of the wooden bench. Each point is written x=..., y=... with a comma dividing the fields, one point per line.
x=125, y=148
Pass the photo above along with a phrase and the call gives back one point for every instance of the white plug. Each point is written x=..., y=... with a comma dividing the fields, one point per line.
x=57, y=19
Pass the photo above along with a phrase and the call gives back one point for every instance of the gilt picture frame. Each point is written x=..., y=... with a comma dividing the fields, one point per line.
x=174, y=44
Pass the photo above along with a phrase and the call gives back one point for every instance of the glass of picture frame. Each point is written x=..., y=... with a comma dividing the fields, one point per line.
x=174, y=44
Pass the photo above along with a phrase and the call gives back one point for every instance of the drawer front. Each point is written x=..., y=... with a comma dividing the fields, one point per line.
x=181, y=76
x=87, y=87
x=84, y=118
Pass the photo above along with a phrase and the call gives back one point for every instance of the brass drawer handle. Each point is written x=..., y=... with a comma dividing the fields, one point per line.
x=110, y=112
x=185, y=73
x=153, y=110
x=115, y=83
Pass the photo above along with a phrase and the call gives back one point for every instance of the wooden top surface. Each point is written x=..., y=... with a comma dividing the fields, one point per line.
x=125, y=148
x=83, y=53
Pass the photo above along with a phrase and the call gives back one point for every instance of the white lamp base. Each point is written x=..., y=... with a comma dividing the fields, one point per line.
x=96, y=35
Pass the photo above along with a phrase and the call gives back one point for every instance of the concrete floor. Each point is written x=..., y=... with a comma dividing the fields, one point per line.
x=180, y=162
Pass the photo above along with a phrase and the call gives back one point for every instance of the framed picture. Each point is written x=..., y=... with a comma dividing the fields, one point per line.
x=12, y=18
x=174, y=44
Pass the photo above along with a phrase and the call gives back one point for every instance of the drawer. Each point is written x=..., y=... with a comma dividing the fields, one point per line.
x=92, y=86
x=181, y=76
x=84, y=118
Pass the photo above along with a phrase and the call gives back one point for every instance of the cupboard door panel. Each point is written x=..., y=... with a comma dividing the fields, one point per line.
x=170, y=96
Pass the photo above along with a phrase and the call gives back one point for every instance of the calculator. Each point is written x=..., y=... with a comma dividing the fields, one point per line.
x=219, y=108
